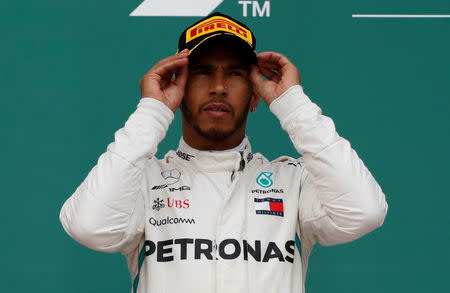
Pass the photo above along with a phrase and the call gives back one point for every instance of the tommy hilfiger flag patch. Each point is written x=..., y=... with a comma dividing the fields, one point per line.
x=269, y=206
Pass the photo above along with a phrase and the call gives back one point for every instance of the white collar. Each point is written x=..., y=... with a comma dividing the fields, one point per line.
x=233, y=159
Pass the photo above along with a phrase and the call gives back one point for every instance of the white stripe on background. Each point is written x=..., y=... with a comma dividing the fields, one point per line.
x=401, y=15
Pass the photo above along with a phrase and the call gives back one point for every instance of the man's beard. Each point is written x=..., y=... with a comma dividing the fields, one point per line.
x=214, y=134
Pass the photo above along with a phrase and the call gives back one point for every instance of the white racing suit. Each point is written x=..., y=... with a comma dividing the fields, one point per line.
x=224, y=222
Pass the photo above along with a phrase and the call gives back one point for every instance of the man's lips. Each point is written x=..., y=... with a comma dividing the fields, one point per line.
x=217, y=109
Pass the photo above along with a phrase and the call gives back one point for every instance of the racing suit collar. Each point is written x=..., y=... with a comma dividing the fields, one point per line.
x=227, y=160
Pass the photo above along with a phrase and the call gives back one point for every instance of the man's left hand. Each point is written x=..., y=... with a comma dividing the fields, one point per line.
x=281, y=74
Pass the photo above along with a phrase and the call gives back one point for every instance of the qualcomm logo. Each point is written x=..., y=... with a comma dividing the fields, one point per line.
x=264, y=179
x=176, y=7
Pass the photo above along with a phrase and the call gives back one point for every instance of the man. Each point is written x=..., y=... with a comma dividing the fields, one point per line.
x=213, y=216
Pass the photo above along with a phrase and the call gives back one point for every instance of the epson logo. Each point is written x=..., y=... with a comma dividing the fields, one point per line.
x=227, y=249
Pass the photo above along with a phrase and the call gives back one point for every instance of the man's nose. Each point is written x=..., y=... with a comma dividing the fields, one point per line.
x=219, y=84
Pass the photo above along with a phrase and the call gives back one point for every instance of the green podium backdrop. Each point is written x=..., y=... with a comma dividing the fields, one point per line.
x=69, y=78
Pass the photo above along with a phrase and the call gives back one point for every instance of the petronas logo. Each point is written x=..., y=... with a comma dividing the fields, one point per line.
x=264, y=179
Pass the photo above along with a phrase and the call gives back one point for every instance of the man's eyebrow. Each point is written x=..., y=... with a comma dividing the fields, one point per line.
x=239, y=66
x=211, y=67
x=201, y=66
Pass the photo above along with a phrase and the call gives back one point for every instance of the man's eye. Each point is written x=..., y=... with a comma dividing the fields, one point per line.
x=236, y=73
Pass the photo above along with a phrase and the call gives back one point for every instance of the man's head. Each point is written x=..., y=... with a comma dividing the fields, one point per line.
x=214, y=25
x=218, y=93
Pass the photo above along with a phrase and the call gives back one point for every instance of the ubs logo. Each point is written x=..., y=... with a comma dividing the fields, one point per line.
x=159, y=203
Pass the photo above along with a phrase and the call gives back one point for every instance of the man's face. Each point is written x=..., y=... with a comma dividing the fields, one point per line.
x=218, y=94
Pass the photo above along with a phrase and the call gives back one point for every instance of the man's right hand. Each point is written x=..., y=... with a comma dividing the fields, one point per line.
x=159, y=83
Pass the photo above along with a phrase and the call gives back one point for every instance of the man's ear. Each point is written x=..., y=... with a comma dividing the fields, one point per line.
x=254, y=102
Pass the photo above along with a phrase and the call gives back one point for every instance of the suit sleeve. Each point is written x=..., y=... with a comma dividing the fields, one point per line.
x=105, y=212
x=340, y=200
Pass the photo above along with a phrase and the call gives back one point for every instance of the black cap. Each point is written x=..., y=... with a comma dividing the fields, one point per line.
x=214, y=25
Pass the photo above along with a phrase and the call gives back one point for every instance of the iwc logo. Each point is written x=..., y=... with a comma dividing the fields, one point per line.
x=264, y=179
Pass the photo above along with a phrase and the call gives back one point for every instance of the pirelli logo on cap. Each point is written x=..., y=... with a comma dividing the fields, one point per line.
x=215, y=24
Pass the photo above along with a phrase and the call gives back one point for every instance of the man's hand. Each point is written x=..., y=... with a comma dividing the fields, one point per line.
x=159, y=83
x=281, y=74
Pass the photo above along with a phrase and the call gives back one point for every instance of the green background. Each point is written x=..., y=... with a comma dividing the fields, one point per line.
x=69, y=78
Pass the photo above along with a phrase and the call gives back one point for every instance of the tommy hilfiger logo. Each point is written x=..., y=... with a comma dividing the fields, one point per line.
x=269, y=206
